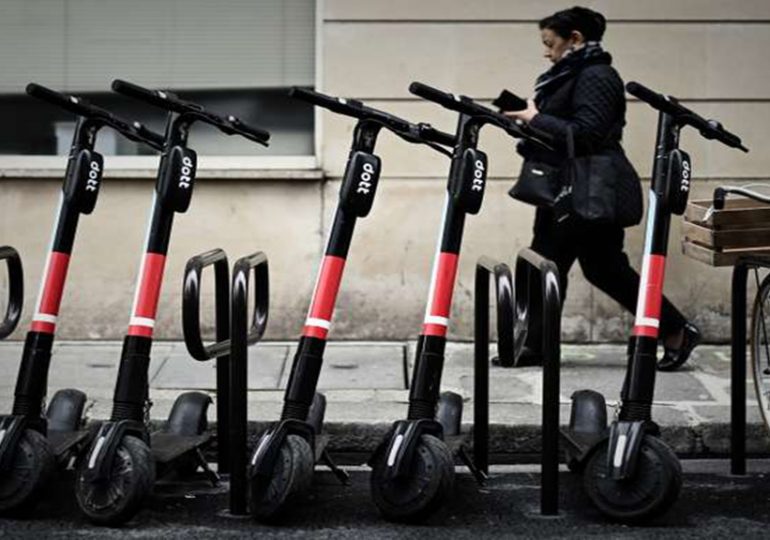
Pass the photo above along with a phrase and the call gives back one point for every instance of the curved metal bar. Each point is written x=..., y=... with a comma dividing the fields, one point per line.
x=244, y=331
x=15, y=290
x=191, y=292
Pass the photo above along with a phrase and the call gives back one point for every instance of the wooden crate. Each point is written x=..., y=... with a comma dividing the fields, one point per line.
x=720, y=237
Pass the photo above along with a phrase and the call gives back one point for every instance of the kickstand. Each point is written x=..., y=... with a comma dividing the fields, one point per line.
x=212, y=476
x=478, y=474
x=341, y=475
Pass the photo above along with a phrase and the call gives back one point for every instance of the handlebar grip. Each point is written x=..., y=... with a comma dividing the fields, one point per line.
x=655, y=99
x=429, y=133
x=158, y=98
x=64, y=101
x=251, y=132
x=335, y=104
x=433, y=94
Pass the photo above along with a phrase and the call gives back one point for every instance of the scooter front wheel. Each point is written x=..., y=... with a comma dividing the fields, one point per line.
x=32, y=466
x=421, y=492
x=117, y=499
x=291, y=478
x=650, y=492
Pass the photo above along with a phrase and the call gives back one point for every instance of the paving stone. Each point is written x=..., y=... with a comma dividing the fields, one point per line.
x=266, y=365
x=350, y=365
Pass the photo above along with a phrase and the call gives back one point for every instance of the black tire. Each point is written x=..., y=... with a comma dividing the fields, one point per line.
x=290, y=482
x=32, y=467
x=649, y=493
x=413, y=498
x=117, y=500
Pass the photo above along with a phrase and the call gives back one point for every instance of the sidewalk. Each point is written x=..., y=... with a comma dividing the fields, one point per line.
x=365, y=384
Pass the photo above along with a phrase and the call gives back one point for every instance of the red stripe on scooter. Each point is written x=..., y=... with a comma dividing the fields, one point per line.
x=53, y=288
x=653, y=296
x=141, y=331
x=149, y=292
x=443, y=287
x=325, y=295
x=433, y=330
x=315, y=331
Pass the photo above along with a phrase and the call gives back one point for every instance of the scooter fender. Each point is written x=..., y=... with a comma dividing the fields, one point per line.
x=101, y=453
x=269, y=446
x=11, y=428
x=623, y=451
x=403, y=440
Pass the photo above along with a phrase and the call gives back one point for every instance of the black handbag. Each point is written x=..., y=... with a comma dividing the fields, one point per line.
x=603, y=187
x=539, y=183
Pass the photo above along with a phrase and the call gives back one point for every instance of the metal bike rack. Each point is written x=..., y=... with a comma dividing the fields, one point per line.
x=738, y=361
x=513, y=310
x=235, y=331
x=15, y=290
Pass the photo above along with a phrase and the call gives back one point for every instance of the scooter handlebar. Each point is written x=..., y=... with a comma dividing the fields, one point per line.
x=420, y=132
x=168, y=101
x=710, y=129
x=133, y=131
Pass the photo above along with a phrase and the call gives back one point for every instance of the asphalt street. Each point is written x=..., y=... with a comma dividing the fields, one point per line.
x=712, y=505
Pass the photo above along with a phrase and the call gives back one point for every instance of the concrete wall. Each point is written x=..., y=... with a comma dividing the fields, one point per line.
x=710, y=53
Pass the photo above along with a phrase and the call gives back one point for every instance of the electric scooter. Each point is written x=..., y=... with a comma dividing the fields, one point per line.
x=629, y=473
x=32, y=443
x=282, y=465
x=413, y=470
x=15, y=290
x=117, y=473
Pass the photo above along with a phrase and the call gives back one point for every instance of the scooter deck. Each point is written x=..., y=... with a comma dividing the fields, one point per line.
x=63, y=441
x=166, y=447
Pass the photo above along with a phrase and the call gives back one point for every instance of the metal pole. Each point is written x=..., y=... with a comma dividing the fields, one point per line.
x=238, y=383
x=481, y=371
x=738, y=370
x=222, y=321
x=549, y=501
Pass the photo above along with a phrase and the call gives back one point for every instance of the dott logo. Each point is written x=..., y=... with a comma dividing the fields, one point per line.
x=365, y=179
x=479, y=175
x=685, y=184
x=94, y=175
x=186, y=171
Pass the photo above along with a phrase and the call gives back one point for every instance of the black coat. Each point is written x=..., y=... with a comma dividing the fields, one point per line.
x=592, y=101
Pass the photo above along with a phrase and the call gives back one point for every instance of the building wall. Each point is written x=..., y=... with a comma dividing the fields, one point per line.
x=709, y=53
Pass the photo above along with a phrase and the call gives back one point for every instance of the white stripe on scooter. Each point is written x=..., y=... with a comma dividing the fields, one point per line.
x=617, y=459
x=394, y=451
x=435, y=319
x=142, y=321
x=319, y=323
x=95, y=453
x=45, y=317
x=647, y=321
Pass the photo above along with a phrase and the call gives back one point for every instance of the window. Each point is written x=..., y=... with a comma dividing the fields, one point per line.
x=232, y=56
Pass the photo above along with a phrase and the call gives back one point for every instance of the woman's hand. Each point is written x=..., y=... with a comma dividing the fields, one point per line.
x=525, y=115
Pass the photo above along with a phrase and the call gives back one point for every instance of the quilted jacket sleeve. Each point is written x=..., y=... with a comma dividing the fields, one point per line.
x=598, y=107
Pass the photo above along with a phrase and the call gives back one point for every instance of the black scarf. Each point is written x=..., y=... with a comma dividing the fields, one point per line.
x=570, y=65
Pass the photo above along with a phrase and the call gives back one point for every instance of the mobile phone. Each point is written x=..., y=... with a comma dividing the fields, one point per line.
x=508, y=101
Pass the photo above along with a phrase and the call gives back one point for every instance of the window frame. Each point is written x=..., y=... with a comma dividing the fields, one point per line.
x=209, y=165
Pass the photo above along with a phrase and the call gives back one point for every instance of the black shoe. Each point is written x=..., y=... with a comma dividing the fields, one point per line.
x=673, y=359
x=529, y=357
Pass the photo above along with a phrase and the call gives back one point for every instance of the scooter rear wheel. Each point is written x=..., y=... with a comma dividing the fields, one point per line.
x=650, y=492
x=291, y=478
x=117, y=499
x=33, y=464
x=423, y=491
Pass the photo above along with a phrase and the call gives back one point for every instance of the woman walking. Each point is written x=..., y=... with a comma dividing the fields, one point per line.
x=582, y=96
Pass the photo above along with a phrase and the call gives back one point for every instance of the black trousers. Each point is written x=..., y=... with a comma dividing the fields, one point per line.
x=599, y=250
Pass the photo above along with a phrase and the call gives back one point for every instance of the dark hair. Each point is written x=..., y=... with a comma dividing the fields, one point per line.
x=588, y=22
